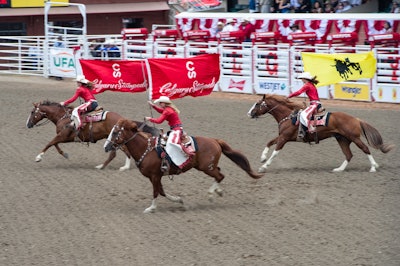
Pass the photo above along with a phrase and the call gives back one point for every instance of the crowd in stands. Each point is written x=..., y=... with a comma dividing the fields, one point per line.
x=303, y=6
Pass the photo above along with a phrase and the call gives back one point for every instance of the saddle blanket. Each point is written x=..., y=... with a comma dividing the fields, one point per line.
x=95, y=116
x=174, y=151
x=319, y=120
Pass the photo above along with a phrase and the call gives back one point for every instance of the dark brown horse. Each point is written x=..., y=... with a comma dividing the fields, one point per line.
x=61, y=117
x=142, y=147
x=345, y=128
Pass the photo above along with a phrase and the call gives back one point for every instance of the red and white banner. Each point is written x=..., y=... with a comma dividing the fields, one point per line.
x=180, y=77
x=121, y=76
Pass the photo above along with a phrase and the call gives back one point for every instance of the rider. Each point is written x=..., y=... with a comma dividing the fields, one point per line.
x=84, y=91
x=170, y=113
x=309, y=88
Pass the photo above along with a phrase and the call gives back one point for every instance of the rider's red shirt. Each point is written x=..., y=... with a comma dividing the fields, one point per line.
x=82, y=92
x=169, y=114
x=310, y=89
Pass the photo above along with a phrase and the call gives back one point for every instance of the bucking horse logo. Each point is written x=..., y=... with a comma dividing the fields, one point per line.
x=345, y=68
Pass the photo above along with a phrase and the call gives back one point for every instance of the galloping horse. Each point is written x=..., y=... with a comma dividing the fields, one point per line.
x=345, y=128
x=91, y=132
x=143, y=148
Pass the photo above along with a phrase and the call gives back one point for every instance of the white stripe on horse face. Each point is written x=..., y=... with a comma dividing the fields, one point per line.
x=109, y=138
x=251, y=109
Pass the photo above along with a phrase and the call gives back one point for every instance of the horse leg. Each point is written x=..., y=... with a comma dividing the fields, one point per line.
x=279, y=145
x=111, y=156
x=57, y=139
x=218, y=177
x=64, y=154
x=344, y=144
x=265, y=152
x=127, y=165
x=365, y=149
x=159, y=190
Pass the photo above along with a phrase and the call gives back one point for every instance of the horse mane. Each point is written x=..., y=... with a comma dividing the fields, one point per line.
x=285, y=101
x=56, y=104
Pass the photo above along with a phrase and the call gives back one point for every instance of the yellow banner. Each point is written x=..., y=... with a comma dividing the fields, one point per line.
x=35, y=3
x=350, y=91
x=335, y=68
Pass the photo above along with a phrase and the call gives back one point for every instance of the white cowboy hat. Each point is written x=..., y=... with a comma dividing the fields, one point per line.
x=82, y=79
x=163, y=99
x=230, y=20
x=306, y=75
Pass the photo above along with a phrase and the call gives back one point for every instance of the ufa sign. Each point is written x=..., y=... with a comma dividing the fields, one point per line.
x=62, y=62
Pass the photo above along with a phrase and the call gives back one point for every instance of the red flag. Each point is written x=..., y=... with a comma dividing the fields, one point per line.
x=122, y=76
x=180, y=77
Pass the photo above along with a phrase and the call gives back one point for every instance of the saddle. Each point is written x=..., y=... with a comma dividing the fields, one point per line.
x=177, y=155
x=96, y=115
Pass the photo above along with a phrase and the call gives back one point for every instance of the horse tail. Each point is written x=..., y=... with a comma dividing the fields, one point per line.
x=238, y=158
x=374, y=138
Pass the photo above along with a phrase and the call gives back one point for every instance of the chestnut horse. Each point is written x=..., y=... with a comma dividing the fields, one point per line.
x=143, y=148
x=345, y=128
x=61, y=117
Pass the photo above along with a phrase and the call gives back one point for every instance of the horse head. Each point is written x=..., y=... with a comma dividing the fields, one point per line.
x=121, y=133
x=276, y=105
x=259, y=108
x=50, y=110
x=36, y=115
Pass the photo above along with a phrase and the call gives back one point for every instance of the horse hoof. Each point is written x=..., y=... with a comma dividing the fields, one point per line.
x=66, y=156
x=149, y=210
x=372, y=170
x=219, y=192
x=100, y=167
x=337, y=170
x=263, y=160
x=123, y=168
x=38, y=159
x=262, y=170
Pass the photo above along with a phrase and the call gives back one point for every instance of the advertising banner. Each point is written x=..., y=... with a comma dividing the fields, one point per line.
x=352, y=91
x=62, y=62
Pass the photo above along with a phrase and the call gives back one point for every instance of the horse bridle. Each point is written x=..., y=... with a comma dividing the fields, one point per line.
x=37, y=110
x=148, y=149
x=264, y=104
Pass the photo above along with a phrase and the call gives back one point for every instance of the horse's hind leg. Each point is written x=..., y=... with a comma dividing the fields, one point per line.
x=366, y=150
x=344, y=144
x=218, y=176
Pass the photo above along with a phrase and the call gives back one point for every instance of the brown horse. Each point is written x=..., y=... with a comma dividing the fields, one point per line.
x=345, y=128
x=143, y=148
x=91, y=132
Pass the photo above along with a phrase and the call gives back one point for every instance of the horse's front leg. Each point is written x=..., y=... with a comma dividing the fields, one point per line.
x=279, y=145
x=111, y=156
x=265, y=151
x=127, y=165
x=58, y=139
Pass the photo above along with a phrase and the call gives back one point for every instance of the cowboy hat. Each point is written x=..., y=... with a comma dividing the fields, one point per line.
x=163, y=99
x=230, y=20
x=82, y=79
x=306, y=75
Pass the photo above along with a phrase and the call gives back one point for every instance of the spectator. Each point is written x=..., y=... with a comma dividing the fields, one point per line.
x=346, y=6
x=387, y=27
x=295, y=28
x=247, y=29
x=328, y=7
x=230, y=25
x=266, y=6
x=339, y=8
x=303, y=6
x=220, y=27
x=317, y=7
x=254, y=6
x=110, y=49
x=354, y=3
x=284, y=6
x=395, y=7
x=59, y=43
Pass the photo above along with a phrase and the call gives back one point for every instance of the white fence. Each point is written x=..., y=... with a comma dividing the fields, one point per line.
x=245, y=68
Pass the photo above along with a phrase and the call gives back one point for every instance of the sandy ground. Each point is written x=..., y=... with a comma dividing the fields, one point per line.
x=66, y=212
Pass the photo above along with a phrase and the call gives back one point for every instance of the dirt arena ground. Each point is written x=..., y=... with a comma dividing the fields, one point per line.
x=66, y=212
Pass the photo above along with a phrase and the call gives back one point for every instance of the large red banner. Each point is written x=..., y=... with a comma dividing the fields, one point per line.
x=121, y=76
x=180, y=77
